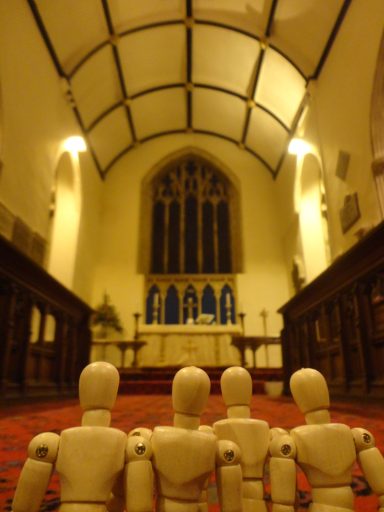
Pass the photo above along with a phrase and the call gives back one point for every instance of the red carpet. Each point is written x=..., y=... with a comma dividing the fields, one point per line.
x=19, y=424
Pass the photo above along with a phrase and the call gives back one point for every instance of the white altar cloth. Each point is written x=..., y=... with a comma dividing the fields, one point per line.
x=179, y=345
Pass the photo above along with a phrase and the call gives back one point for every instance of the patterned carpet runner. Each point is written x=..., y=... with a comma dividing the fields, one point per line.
x=19, y=424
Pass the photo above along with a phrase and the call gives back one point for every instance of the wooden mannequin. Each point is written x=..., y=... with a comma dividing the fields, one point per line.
x=251, y=435
x=184, y=456
x=325, y=451
x=88, y=458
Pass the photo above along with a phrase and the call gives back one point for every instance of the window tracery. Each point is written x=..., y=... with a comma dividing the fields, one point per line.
x=191, y=219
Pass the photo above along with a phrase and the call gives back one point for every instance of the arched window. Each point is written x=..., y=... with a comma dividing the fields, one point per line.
x=192, y=225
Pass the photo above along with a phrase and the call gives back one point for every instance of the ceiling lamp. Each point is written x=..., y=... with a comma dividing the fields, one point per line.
x=299, y=147
x=75, y=144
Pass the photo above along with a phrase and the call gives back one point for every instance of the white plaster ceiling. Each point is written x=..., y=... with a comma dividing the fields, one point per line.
x=134, y=70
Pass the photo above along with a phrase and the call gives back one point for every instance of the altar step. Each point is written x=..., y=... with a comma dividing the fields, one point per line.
x=158, y=380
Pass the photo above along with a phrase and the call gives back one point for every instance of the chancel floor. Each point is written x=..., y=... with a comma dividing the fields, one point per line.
x=19, y=424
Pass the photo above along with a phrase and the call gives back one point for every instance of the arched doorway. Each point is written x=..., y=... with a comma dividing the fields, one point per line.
x=312, y=220
x=65, y=214
x=377, y=126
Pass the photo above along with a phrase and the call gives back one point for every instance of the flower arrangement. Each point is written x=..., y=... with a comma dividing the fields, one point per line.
x=106, y=316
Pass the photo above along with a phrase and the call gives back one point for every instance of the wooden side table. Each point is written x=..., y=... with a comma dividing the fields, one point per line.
x=252, y=342
x=123, y=346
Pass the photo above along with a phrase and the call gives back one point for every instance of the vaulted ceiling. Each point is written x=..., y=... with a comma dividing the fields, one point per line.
x=134, y=70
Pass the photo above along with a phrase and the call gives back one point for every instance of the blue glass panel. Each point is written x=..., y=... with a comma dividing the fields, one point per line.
x=149, y=304
x=172, y=306
x=227, y=291
x=209, y=301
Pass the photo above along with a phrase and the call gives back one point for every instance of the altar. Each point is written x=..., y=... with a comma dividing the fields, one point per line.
x=180, y=345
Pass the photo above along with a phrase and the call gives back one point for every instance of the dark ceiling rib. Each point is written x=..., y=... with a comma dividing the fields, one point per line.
x=256, y=73
x=86, y=57
x=271, y=18
x=45, y=36
x=292, y=131
x=189, y=85
x=117, y=157
x=331, y=39
x=217, y=88
x=252, y=36
x=60, y=71
x=104, y=114
x=119, y=69
x=155, y=24
x=181, y=85
x=220, y=24
x=189, y=35
x=161, y=134
x=261, y=159
x=159, y=24
x=157, y=88
x=121, y=103
x=236, y=142
x=142, y=141
x=89, y=145
x=270, y=113
x=182, y=132
x=253, y=86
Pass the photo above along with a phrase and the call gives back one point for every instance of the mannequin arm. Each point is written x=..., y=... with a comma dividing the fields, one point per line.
x=116, y=502
x=229, y=476
x=138, y=475
x=371, y=462
x=203, y=503
x=282, y=470
x=36, y=473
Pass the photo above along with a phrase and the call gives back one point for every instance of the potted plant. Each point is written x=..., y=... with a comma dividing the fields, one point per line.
x=106, y=318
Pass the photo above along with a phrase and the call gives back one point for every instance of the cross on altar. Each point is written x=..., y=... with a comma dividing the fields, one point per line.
x=190, y=305
x=191, y=349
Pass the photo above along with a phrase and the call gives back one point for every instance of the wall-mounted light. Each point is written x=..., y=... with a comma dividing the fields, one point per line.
x=299, y=147
x=75, y=144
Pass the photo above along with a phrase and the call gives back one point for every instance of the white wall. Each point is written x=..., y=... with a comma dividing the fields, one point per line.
x=263, y=284
x=36, y=120
x=35, y=117
x=89, y=239
x=341, y=104
x=339, y=119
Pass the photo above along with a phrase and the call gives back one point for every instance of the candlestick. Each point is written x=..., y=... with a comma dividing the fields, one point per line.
x=242, y=315
x=136, y=333
x=156, y=307
x=228, y=308
x=190, y=305
x=264, y=315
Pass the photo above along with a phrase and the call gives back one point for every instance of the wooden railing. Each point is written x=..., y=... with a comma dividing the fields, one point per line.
x=44, y=330
x=336, y=323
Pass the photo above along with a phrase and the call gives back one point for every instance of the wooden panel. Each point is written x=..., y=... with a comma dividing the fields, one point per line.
x=336, y=323
x=45, y=362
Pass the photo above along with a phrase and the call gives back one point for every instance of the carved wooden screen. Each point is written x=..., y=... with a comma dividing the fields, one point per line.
x=191, y=231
